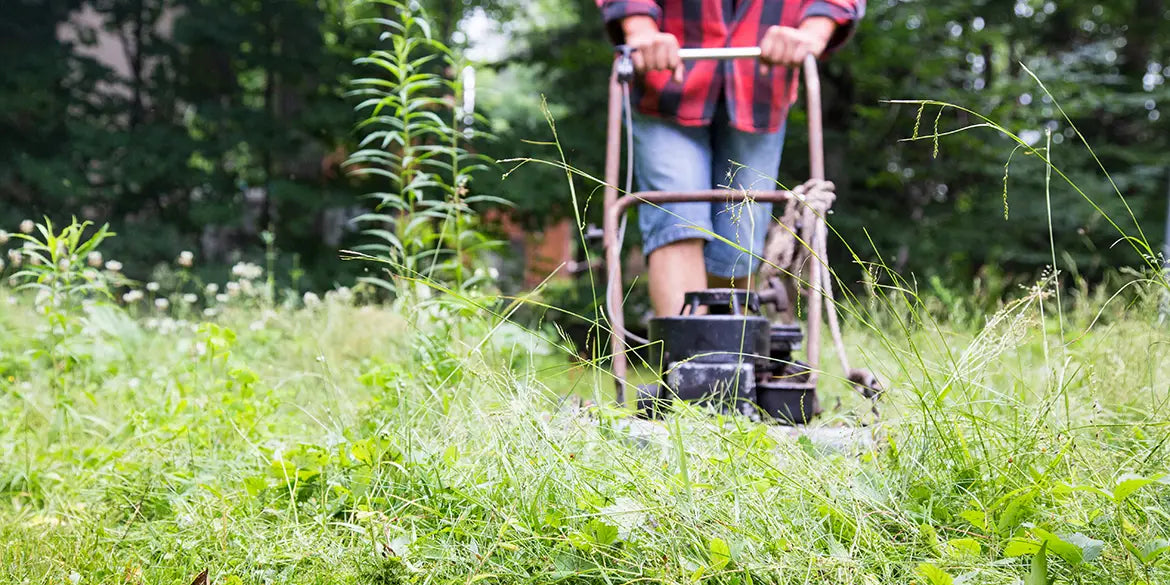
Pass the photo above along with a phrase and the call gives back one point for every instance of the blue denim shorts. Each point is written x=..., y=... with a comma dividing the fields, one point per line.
x=670, y=157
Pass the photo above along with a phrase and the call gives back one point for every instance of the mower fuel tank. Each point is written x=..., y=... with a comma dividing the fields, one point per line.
x=713, y=351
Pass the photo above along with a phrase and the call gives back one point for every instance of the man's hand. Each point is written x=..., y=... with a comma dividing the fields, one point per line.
x=653, y=50
x=788, y=47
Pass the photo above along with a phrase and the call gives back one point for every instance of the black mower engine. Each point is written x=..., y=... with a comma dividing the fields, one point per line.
x=720, y=351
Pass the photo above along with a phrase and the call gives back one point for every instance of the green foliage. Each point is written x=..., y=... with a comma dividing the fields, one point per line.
x=59, y=266
x=424, y=224
x=222, y=125
x=341, y=444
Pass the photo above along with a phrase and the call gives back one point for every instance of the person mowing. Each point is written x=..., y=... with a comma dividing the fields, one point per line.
x=714, y=124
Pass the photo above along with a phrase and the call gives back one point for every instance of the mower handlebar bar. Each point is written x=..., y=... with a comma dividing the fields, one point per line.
x=719, y=53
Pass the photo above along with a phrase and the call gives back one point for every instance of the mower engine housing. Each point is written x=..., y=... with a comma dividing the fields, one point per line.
x=720, y=351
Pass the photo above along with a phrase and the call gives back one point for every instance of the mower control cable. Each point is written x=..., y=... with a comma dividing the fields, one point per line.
x=625, y=75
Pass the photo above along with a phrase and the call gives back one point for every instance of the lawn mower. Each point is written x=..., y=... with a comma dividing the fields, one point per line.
x=723, y=350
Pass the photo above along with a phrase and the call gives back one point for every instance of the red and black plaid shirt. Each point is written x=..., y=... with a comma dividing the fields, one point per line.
x=755, y=103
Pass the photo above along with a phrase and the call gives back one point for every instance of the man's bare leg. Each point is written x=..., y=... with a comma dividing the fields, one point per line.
x=675, y=269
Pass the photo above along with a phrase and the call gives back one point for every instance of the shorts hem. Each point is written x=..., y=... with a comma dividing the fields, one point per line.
x=671, y=235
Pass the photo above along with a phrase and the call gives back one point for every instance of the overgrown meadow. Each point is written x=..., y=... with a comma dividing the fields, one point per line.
x=419, y=426
x=151, y=434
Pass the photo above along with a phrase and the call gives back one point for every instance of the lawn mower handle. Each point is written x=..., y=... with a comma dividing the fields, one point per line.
x=616, y=206
x=719, y=53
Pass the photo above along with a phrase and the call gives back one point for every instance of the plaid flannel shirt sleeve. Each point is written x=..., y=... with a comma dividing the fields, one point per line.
x=613, y=11
x=845, y=13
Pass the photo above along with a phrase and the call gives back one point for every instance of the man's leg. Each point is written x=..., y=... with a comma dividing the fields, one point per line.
x=675, y=269
x=742, y=161
x=669, y=157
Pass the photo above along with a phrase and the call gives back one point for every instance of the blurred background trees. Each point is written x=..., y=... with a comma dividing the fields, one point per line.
x=200, y=124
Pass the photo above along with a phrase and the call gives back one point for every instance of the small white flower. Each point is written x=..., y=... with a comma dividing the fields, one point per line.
x=15, y=258
x=247, y=288
x=64, y=264
x=311, y=300
x=74, y=576
x=134, y=383
x=190, y=298
x=94, y=259
x=211, y=288
x=3, y=237
x=27, y=226
x=209, y=312
x=233, y=288
x=200, y=348
x=186, y=259
x=221, y=297
x=132, y=296
x=256, y=325
x=161, y=303
x=152, y=286
x=114, y=266
x=42, y=297
x=344, y=294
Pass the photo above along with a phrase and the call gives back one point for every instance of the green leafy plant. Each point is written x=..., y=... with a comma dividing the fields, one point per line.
x=414, y=142
x=64, y=269
x=59, y=265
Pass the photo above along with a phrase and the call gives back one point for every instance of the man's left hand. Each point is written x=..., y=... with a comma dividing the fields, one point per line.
x=788, y=47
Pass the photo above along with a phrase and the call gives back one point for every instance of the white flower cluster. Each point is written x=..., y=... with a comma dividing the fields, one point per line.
x=247, y=271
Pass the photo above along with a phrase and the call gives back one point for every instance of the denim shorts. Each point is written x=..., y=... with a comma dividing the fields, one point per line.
x=670, y=157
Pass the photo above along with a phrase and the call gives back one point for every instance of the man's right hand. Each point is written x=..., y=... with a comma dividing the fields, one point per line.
x=653, y=50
